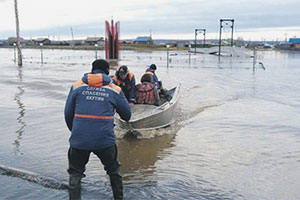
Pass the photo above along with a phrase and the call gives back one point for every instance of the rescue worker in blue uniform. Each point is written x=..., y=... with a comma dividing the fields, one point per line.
x=162, y=91
x=151, y=70
x=89, y=115
x=126, y=80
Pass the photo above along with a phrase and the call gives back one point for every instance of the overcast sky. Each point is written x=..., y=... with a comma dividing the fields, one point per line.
x=165, y=19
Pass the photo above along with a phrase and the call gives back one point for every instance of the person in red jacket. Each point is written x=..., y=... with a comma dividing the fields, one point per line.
x=89, y=115
x=146, y=92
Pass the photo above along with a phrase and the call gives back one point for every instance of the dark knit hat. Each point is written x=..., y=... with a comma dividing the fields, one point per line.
x=153, y=66
x=102, y=65
x=123, y=70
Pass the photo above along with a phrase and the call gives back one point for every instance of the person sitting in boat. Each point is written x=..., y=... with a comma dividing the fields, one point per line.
x=126, y=80
x=161, y=91
x=151, y=70
x=146, y=92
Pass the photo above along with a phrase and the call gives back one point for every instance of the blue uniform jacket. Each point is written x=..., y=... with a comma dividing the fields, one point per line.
x=154, y=77
x=127, y=85
x=90, y=109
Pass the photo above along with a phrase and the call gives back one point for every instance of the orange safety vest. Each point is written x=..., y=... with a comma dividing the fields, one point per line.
x=115, y=78
x=149, y=72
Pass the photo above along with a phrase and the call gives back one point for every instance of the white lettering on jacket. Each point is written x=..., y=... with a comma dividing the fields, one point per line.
x=93, y=98
x=95, y=94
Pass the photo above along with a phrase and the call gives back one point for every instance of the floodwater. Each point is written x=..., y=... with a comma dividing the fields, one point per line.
x=236, y=136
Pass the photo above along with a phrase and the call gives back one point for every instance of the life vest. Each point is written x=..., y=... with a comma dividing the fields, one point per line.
x=119, y=81
x=149, y=72
x=145, y=93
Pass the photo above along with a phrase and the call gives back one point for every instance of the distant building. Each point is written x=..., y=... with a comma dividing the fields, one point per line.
x=260, y=45
x=208, y=42
x=294, y=40
x=76, y=42
x=39, y=41
x=161, y=42
x=267, y=46
x=285, y=46
x=13, y=40
x=143, y=40
x=182, y=43
x=126, y=41
x=293, y=44
x=64, y=43
x=57, y=43
x=3, y=42
x=94, y=40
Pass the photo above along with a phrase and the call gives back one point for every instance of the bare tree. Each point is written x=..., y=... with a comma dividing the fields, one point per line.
x=18, y=35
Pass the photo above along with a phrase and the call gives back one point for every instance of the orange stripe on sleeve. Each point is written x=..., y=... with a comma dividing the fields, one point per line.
x=77, y=84
x=93, y=116
x=130, y=75
x=115, y=87
x=117, y=80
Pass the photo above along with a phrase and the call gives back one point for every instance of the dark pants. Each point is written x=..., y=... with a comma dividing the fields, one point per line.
x=79, y=158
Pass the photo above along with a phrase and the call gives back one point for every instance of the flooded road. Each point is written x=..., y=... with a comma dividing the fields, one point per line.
x=236, y=135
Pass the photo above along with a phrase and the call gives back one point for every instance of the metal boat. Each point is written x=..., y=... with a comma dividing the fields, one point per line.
x=147, y=117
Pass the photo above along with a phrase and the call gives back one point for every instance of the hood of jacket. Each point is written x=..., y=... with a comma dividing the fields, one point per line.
x=96, y=79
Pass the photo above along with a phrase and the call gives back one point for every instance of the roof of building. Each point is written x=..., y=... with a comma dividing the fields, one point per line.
x=93, y=39
x=14, y=39
x=40, y=39
x=142, y=39
x=285, y=43
x=294, y=40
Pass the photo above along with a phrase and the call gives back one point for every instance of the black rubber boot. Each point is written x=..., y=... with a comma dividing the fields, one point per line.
x=75, y=187
x=117, y=186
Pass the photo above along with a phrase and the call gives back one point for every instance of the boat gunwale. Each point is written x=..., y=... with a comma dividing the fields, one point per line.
x=168, y=105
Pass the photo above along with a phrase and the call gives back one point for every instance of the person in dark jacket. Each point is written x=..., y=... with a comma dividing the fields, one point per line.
x=126, y=80
x=151, y=70
x=89, y=115
x=163, y=92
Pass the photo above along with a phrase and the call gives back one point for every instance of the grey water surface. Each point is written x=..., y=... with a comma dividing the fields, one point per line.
x=236, y=135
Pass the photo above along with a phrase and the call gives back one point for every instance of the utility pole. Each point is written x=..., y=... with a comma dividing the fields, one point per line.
x=168, y=46
x=285, y=34
x=221, y=26
x=195, y=40
x=72, y=35
x=18, y=35
x=196, y=31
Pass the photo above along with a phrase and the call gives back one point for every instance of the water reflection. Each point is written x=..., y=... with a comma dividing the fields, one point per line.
x=253, y=85
x=21, y=107
x=138, y=156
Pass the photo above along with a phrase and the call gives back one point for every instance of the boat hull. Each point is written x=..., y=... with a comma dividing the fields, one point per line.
x=147, y=117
